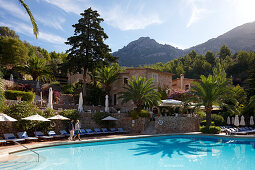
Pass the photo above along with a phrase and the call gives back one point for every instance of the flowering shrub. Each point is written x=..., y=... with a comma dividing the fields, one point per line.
x=56, y=96
x=21, y=87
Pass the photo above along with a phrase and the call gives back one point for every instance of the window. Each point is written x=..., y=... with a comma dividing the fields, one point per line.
x=155, y=77
x=125, y=80
x=187, y=87
x=114, y=99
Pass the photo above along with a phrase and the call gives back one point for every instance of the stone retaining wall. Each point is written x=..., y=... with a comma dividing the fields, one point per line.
x=171, y=124
x=124, y=121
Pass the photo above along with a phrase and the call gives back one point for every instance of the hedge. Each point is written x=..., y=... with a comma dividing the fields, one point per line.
x=210, y=130
x=13, y=94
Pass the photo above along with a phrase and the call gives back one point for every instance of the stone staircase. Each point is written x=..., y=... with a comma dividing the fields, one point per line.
x=150, y=129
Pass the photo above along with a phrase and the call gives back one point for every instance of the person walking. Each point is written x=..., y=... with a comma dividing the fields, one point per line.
x=77, y=130
x=71, y=130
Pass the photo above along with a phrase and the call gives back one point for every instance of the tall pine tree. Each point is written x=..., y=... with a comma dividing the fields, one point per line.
x=88, y=49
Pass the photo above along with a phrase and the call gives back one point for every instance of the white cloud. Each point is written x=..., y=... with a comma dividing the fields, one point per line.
x=54, y=22
x=119, y=18
x=197, y=11
x=28, y=30
x=76, y=6
x=14, y=10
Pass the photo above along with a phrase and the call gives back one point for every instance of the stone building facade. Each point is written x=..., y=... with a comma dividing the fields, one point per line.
x=160, y=79
x=182, y=84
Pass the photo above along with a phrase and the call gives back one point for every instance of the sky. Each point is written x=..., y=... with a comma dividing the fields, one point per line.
x=180, y=23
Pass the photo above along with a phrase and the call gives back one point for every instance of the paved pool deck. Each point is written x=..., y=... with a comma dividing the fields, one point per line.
x=6, y=152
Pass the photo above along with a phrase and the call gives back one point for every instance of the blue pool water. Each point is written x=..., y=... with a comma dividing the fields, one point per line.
x=165, y=152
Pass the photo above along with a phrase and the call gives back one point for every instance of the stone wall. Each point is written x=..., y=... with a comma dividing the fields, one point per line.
x=123, y=121
x=171, y=124
x=7, y=83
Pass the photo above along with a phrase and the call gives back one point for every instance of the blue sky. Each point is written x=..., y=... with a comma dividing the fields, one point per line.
x=181, y=23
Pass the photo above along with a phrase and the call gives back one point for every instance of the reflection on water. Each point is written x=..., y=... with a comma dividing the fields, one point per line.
x=168, y=152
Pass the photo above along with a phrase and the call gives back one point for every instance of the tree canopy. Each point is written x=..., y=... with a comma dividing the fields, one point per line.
x=88, y=50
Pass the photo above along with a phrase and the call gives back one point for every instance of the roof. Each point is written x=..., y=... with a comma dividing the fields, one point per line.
x=149, y=69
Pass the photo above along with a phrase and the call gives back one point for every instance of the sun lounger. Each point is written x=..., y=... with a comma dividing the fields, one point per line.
x=98, y=131
x=9, y=137
x=114, y=130
x=83, y=132
x=2, y=142
x=23, y=135
x=90, y=132
x=63, y=132
x=52, y=133
x=106, y=131
x=122, y=131
x=40, y=135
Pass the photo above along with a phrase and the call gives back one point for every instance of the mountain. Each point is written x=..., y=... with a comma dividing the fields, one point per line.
x=147, y=51
x=239, y=38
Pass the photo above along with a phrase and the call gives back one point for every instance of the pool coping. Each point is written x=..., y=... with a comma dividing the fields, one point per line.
x=135, y=137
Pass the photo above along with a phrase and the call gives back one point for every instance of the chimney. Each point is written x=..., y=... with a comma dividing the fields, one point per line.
x=182, y=81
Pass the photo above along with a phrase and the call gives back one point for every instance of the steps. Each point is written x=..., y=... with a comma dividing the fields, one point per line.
x=150, y=129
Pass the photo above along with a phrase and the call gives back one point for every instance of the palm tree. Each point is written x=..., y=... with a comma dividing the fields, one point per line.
x=107, y=75
x=38, y=69
x=141, y=92
x=35, y=27
x=209, y=92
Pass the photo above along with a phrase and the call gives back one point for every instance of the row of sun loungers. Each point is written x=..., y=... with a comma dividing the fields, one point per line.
x=23, y=137
x=238, y=131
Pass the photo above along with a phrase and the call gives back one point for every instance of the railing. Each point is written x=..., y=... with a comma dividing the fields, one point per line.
x=38, y=156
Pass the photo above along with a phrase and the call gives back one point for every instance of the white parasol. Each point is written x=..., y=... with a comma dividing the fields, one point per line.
x=228, y=120
x=236, y=123
x=6, y=118
x=50, y=104
x=242, y=122
x=106, y=104
x=58, y=117
x=251, y=121
x=37, y=118
x=80, y=107
x=109, y=118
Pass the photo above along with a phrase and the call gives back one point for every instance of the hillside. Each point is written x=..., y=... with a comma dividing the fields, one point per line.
x=147, y=51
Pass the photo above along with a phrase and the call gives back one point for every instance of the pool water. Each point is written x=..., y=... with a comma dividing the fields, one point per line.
x=165, y=152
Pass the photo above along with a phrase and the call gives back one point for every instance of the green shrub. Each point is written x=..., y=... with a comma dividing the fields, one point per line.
x=97, y=117
x=68, y=89
x=218, y=120
x=203, y=123
x=210, y=130
x=13, y=94
x=71, y=114
x=143, y=113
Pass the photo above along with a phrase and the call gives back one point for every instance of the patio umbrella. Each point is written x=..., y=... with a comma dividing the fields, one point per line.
x=251, y=121
x=6, y=118
x=59, y=117
x=37, y=85
x=236, y=123
x=11, y=78
x=228, y=120
x=80, y=107
x=242, y=122
x=106, y=104
x=233, y=120
x=170, y=102
x=109, y=118
x=37, y=118
x=50, y=104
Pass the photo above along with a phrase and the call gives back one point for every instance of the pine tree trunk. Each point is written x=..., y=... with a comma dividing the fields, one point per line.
x=84, y=92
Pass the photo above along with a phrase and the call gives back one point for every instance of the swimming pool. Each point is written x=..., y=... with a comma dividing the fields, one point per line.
x=163, y=152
